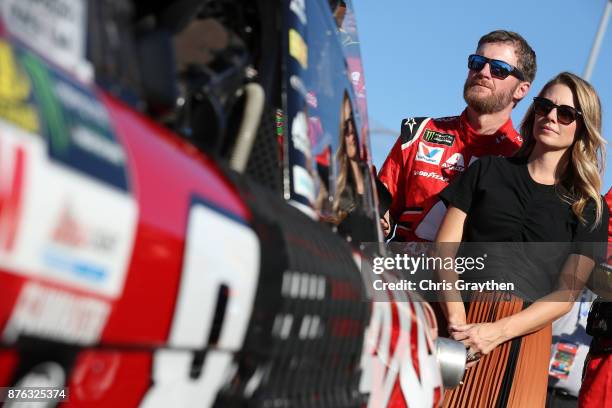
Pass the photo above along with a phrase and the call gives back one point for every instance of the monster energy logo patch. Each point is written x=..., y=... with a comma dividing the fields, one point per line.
x=438, y=138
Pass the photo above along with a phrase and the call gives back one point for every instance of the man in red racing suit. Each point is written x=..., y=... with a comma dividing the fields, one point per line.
x=429, y=153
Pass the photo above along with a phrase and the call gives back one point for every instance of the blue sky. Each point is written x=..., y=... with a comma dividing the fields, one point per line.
x=415, y=54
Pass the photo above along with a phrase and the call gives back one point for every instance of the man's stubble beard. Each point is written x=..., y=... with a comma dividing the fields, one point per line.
x=492, y=103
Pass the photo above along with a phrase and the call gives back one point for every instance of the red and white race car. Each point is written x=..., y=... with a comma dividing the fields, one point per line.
x=175, y=223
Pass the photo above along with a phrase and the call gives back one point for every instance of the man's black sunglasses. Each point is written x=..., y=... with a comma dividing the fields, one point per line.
x=565, y=114
x=499, y=69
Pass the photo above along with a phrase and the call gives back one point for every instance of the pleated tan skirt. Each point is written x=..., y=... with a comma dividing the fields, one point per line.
x=514, y=374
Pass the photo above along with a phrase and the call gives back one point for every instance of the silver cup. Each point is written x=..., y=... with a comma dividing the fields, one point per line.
x=451, y=356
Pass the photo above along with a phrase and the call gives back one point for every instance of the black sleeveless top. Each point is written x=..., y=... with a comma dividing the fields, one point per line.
x=505, y=205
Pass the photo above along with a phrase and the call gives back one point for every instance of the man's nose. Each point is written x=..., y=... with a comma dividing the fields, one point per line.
x=486, y=70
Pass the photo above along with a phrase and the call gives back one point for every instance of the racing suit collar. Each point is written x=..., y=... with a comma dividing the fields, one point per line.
x=505, y=129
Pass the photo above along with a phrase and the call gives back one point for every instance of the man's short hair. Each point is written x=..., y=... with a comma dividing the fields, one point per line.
x=526, y=55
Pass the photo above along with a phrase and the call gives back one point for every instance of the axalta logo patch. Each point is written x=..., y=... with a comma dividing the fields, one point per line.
x=455, y=162
x=428, y=154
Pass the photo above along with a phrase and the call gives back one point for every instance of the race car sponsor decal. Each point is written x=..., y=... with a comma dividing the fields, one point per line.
x=57, y=315
x=89, y=144
x=429, y=154
x=430, y=174
x=69, y=115
x=297, y=84
x=399, y=367
x=71, y=229
x=299, y=134
x=455, y=162
x=438, y=138
x=53, y=28
x=16, y=92
x=303, y=183
x=213, y=272
x=311, y=99
x=12, y=172
x=91, y=252
x=73, y=235
x=299, y=9
x=298, y=48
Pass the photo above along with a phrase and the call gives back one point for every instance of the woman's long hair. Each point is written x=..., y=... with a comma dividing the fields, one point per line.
x=344, y=174
x=579, y=177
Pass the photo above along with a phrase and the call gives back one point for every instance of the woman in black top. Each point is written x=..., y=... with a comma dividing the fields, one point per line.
x=548, y=192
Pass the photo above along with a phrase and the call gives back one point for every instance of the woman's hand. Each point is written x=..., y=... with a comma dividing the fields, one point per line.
x=479, y=338
x=456, y=316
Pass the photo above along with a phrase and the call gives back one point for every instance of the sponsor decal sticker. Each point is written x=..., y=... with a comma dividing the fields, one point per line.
x=77, y=125
x=13, y=161
x=299, y=134
x=430, y=174
x=80, y=268
x=298, y=85
x=311, y=99
x=16, y=92
x=69, y=232
x=298, y=48
x=438, y=138
x=57, y=223
x=92, y=138
x=303, y=183
x=56, y=315
x=299, y=8
x=53, y=28
x=455, y=162
x=429, y=154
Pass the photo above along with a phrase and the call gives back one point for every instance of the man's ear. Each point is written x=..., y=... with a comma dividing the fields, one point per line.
x=521, y=91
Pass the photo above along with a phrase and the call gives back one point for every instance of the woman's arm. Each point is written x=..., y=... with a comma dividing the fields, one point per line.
x=450, y=235
x=484, y=337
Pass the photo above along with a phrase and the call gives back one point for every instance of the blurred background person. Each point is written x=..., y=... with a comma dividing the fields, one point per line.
x=596, y=390
x=570, y=345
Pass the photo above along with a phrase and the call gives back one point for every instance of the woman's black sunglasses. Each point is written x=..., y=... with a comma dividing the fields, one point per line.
x=499, y=69
x=348, y=124
x=565, y=114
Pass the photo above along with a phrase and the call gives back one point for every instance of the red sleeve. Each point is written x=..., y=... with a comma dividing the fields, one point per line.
x=396, y=168
x=392, y=169
x=393, y=175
